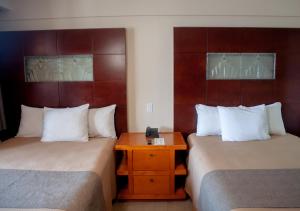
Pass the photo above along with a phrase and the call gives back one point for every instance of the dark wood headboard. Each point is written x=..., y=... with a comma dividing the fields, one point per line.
x=191, y=86
x=108, y=47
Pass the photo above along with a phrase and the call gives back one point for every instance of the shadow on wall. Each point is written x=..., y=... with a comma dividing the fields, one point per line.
x=130, y=74
x=165, y=129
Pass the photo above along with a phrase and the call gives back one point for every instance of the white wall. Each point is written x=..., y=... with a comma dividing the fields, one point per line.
x=149, y=36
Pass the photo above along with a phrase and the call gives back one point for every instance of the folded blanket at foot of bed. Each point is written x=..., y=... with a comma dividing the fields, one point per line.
x=63, y=190
x=224, y=190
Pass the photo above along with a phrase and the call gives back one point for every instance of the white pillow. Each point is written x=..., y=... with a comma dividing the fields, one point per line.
x=208, y=121
x=275, y=119
x=102, y=122
x=67, y=124
x=31, y=123
x=244, y=123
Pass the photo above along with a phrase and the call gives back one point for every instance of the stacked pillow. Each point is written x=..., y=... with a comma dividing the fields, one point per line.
x=67, y=124
x=31, y=124
x=208, y=123
x=102, y=122
x=240, y=123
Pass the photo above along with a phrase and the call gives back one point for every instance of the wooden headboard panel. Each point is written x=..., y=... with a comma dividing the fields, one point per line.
x=191, y=86
x=108, y=47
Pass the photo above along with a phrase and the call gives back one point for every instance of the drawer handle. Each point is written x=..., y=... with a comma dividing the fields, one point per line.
x=151, y=180
x=152, y=155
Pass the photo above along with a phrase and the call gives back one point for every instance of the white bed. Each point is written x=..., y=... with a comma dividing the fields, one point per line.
x=209, y=153
x=95, y=156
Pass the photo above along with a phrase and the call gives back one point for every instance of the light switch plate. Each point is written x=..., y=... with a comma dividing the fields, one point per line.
x=149, y=107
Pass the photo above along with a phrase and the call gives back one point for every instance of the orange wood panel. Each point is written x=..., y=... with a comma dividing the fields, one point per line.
x=151, y=160
x=151, y=184
x=123, y=166
x=154, y=172
x=130, y=171
x=180, y=169
x=151, y=170
x=138, y=141
x=172, y=170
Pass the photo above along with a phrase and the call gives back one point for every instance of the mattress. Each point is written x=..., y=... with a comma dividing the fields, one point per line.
x=76, y=170
x=209, y=154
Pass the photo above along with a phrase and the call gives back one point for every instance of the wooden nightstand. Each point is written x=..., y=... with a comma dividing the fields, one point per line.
x=151, y=172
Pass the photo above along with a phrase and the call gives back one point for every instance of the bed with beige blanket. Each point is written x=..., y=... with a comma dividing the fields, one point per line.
x=244, y=176
x=57, y=175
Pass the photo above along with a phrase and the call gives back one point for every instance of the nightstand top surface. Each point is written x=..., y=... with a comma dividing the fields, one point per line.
x=173, y=140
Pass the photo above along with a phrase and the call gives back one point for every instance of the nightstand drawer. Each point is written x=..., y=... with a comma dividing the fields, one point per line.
x=151, y=184
x=147, y=160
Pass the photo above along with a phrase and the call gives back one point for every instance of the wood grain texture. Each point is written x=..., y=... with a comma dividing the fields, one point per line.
x=191, y=87
x=190, y=40
x=40, y=94
x=151, y=169
x=75, y=41
x=110, y=41
x=189, y=92
x=110, y=67
x=108, y=48
x=224, y=40
x=153, y=184
x=148, y=160
x=138, y=141
x=75, y=93
x=225, y=92
x=40, y=43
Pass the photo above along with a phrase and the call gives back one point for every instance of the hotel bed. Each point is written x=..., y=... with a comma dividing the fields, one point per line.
x=244, y=176
x=66, y=176
x=63, y=169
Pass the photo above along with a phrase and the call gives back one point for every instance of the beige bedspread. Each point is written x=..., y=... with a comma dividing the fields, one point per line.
x=95, y=156
x=210, y=153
